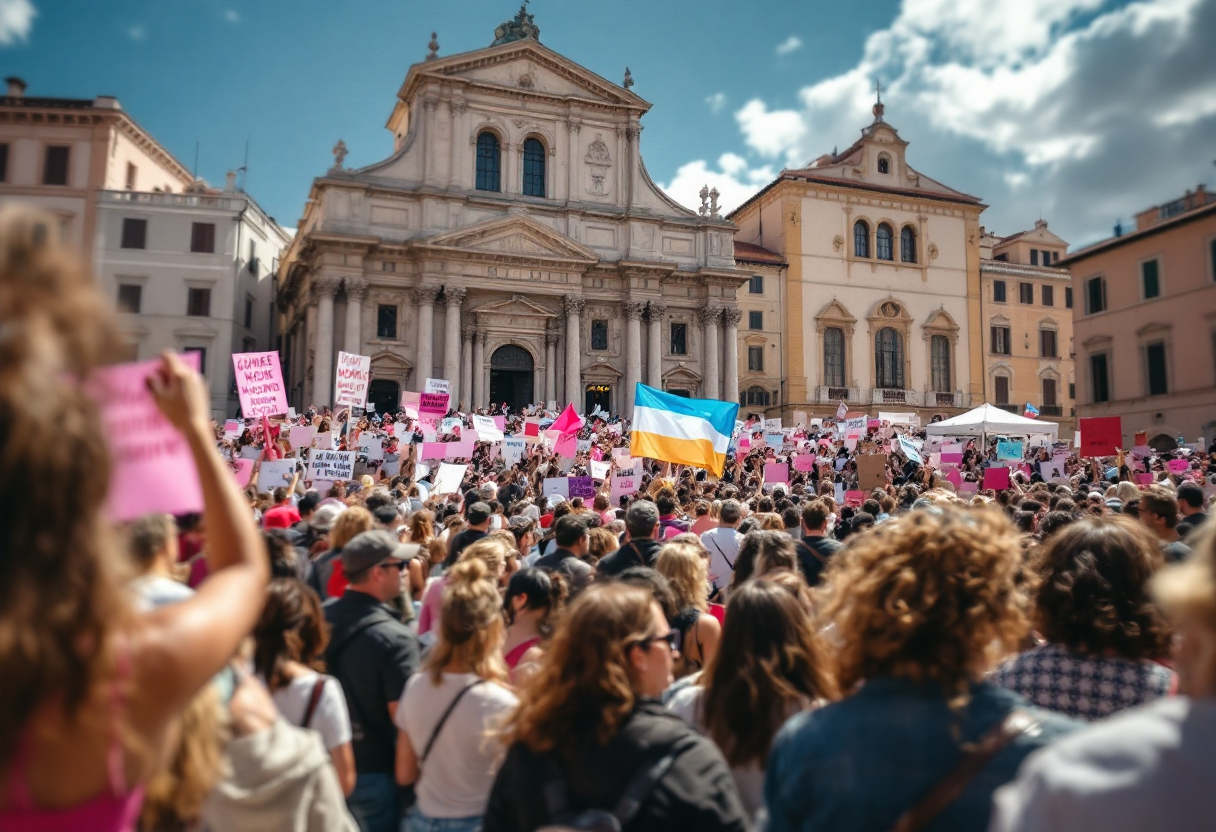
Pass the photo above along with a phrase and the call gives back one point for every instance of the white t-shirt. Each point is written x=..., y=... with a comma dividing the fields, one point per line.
x=330, y=718
x=457, y=776
x=154, y=591
x=723, y=545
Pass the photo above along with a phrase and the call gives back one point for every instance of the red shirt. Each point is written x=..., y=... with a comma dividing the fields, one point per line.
x=280, y=517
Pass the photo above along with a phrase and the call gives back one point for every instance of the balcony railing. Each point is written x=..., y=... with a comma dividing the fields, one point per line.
x=228, y=202
x=1051, y=410
x=934, y=398
x=888, y=395
x=830, y=395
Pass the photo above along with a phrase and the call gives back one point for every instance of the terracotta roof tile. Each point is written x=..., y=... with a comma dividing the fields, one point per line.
x=756, y=254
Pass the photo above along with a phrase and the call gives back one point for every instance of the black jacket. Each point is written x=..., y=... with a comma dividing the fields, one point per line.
x=372, y=654
x=697, y=792
x=813, y=555
x=578, y=573
x=636, y=553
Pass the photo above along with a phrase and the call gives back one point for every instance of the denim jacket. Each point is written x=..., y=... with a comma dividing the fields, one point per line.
x=859, y=763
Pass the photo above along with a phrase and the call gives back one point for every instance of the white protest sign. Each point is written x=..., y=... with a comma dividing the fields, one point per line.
x=373, y=446
x=623, y=486
x=275, y=473
x=450, y=475
x=599, y=470
x=557, y=485
x=513, y=449
x=772, y=425
x=392, y=465
x=487, y=429
x=324, y=441
x=437, y=385
x=352, y=377
x=331, y=465
x=233, y=428
x=402, y=432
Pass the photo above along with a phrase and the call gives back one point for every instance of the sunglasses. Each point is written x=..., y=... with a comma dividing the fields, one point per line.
x=399, y=565
x=672, y=637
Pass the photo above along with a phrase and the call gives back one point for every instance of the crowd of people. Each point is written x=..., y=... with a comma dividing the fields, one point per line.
x=705, y=651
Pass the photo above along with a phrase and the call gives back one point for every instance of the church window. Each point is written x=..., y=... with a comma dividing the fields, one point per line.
x=861, y=239
x=487, y=162
x=833, y=356
x=884, y=164
x=907, y=244
x=534, y=168
x=755, y=359
x=756, y=396
x=679, y=339
x=889, y=359
x=599, y=335
x=939, y=348
x=884, y=242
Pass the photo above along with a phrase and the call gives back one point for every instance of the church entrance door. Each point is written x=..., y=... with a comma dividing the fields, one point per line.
x=385, y=395
x=511, y=377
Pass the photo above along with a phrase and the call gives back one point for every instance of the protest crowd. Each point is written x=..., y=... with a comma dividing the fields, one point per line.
x=444, y=619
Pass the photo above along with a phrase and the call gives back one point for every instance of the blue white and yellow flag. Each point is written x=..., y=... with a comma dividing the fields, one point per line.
x=672, y=428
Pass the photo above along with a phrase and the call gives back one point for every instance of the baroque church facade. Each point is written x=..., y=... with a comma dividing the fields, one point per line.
x=512, y=244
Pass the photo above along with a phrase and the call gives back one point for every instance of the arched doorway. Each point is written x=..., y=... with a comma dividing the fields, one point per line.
x=385, y=395
x=511, y=377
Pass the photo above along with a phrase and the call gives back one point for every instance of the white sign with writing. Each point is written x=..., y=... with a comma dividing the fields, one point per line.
x=331, y=465
x=437, y=385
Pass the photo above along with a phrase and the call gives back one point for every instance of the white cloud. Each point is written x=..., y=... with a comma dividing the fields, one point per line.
x=716, y=102
x=137, y=32
x=232, y=16
x=1082, y=108
x=790, y=45
x=16, y=20
x=734, y=180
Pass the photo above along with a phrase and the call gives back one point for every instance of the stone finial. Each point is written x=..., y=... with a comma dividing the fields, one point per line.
x=521, y=27
x=628, y=82
x=877, y=109
x=433, y=47
x=339, y=152
x=713, y=203
x=704, y=194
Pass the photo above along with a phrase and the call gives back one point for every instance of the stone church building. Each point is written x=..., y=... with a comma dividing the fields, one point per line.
x=513, y=244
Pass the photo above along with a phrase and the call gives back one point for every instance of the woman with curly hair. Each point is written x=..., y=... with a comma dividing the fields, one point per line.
x=589, y=722
x=768, y=667
x=1102, y=630
x=920, y=606
x=687, y=571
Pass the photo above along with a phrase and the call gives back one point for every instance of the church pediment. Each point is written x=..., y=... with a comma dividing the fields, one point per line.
x=516, y=306
x=515, y=235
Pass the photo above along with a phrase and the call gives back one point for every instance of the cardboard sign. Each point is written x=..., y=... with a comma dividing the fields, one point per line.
x=772, y=425
x=487, y=429
x=151, y=465
x=774, y=440
x=623, y=486
x=969, y=488
x=331, y=465
x=301, y=436
x=351, y=379
x=410, y=403
x=438, y=385
x=996, y=478
x=910, y=450
x=259, y=381
x=955, y=478
x=433, y=450
x=1009, y=450
x=1101, y=436
x=559, y=486
x=1052, y=470
x=273, y=474
x=581, y=487
x=776, y=472
x=800, y=418
x=871, y=472
x=513, y=449
x=1141, y=437
x=449, y=478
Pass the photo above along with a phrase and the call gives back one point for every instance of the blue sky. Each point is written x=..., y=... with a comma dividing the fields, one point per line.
x=1081, y=111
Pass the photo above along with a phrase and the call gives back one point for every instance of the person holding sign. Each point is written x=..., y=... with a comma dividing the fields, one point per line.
x=92, y=690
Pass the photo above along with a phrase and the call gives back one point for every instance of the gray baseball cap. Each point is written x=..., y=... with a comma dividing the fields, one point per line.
x=367, y=549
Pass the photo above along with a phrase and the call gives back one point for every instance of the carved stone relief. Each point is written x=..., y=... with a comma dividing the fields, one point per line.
x=598, y=160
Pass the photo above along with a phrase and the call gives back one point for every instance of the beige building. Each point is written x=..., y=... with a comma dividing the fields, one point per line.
x=761, y=344
x=511, y=243
x=1026, y=308
x=1144, y=323
x=882, y=300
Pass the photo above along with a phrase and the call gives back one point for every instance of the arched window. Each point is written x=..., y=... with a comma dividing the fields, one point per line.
x=756, y=396
x=939, y=354
x=907, y=244
x=833, y=357
x=534, y=168
x=889, y=359
x=861, y=239
x=487, y=162
x=884, y=164
x=884, y=242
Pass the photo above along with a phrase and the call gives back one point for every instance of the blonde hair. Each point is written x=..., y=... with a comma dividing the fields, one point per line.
x=173, y=798
x=422, y=527
x=933, y=596
x=687, y=573
x=355, y=520
x=470, y=623
x=492, y=550
x=771, y=522
x=61, y=570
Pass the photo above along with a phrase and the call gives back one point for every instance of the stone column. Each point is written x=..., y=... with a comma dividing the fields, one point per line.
x=550, y=389
x=479, y=370
x=731, y=315
x=574, y=308
x=709, y=317
x=632, y=310
x=424, y=360
x=453, y=297
x=324, y=290
x=656, y=313
x=467, y=364
x=356, y=291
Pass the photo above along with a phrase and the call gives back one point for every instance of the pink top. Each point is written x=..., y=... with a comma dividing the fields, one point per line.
x=517, y=653
x=432, y=604
x=114, y=811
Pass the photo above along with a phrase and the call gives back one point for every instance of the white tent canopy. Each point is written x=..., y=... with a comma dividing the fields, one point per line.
x=988, y=419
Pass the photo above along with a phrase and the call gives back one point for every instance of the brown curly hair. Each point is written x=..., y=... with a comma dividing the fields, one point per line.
x=292, y=627
x=932, y=596
x=60, y=598
x=585, y=679
x=1092, y=593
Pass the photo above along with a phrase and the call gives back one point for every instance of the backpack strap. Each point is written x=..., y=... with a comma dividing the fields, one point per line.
x=313, y=698
x=645, y=780
x=439, y=725
x=973, y=761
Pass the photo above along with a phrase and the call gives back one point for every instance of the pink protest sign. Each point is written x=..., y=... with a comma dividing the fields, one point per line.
x=434, y=450
x=775, y=472
x=996, y=478
x=432, y=406
x=152, y=469
x=243, y=469
x=1177, y=466
x=955, y=478
x=956, y=458
x=500, y=422
x=1144, y=479
x=566, y=445
x=259, y=381
x=459, y=450
x=969, y=487
x=804, y=462
x=854, y=498
x=1100, y=436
